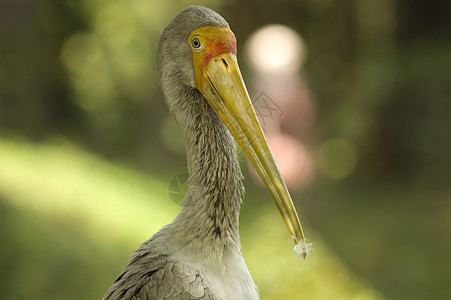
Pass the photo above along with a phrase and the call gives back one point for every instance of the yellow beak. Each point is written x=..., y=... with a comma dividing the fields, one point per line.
x=221, y=83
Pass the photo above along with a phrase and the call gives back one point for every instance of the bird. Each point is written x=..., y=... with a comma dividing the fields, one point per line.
x=198, y=255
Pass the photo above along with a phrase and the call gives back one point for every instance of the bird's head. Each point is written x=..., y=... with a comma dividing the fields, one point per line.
x=197, y=52
x=191, y=37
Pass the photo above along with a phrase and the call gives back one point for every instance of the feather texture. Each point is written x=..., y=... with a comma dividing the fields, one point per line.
x=198, y=255
x=160, y=280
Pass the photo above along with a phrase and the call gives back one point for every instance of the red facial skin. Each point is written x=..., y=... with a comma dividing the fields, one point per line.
x=221, y=41
x=215, y=41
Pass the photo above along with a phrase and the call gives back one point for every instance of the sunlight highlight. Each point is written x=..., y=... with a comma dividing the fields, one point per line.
x=276, y=48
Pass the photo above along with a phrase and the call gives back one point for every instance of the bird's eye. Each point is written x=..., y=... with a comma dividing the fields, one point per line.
x=195, y=42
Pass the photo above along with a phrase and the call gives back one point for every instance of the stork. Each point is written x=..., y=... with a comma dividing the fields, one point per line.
x=198, y=255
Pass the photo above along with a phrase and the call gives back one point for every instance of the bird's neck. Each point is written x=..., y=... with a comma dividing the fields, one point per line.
x=208, y=222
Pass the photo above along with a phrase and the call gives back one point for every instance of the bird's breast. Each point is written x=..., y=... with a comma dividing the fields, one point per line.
x=227, y=281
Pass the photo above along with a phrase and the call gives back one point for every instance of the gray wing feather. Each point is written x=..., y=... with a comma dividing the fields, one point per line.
x=155, y=277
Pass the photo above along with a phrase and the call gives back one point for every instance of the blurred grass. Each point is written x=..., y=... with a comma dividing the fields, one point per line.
x=69, y=220
x=394, y=235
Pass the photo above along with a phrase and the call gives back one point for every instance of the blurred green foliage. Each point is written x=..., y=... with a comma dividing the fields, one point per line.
x=73, y=218
x=77, y=79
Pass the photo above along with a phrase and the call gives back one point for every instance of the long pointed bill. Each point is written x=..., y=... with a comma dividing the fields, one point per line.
x=223, y=87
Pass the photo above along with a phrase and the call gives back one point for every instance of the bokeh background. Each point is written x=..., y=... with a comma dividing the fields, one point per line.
x=361, y=129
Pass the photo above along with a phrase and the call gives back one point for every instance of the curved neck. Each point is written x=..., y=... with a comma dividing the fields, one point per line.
x=210, y=213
